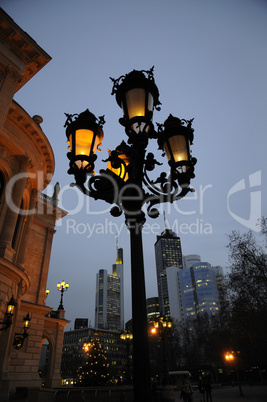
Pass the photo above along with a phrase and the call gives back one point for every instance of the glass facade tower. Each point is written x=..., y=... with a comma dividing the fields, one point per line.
x=199, y=290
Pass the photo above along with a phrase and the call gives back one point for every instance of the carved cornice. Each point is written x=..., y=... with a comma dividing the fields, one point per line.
x=23, y=47
x=11, y=44
x=18, y=163
x=36, y=137
x=13, y=75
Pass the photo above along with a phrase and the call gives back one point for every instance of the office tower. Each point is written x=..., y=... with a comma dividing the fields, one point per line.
x=194, y=290
x=174, y=293
x=199, y=290
x=205, y=283
x=109, y=307
x=168, y=253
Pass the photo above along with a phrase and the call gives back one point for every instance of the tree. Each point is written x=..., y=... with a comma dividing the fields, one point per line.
x=198, y=346
x=247, y=290
x=95, y=370
x=248, y=262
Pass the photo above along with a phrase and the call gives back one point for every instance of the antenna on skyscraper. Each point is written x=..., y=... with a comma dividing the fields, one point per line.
x=165, y=223
x=117, y=241
x=119, y=251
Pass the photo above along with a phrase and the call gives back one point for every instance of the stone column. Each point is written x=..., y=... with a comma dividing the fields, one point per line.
x=14, y=197
x=45, y=266
x=53, y=378
x=25, y=237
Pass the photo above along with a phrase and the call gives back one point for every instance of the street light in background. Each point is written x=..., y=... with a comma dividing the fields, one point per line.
x=62, y=287
x=127, y=338
x=126, y=184
x=161, y=328
x=231, y=358
x=87, y=345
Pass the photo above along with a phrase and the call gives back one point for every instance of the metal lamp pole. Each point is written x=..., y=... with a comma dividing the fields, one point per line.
x=126, y=185
x=230, y=357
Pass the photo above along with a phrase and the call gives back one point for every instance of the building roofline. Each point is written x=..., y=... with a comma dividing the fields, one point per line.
x=23, y=47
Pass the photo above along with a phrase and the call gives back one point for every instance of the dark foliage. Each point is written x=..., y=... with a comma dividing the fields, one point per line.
x=247, y=291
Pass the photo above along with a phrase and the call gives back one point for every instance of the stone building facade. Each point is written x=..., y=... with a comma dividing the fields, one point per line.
x=27, y=220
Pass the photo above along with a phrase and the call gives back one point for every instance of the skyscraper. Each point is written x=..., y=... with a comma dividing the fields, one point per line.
x=109, y=305
x=168, y=253
x=205, y=284
x=194, y=290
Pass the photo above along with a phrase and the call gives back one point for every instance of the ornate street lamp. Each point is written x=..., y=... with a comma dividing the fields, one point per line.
x=62, y=287
x=126, y=185
x=20, y=338
x=9, y=314
x=231, y=357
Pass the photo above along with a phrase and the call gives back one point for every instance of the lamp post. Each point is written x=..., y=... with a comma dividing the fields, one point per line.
x=231, y=358
x=162, y=326
x=126, y=183
x=62, y=287
x=127, y=337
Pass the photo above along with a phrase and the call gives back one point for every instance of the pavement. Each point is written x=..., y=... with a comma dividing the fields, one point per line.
x=257, y=393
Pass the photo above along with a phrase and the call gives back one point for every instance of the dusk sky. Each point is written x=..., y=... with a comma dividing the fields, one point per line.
x=210, y=59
